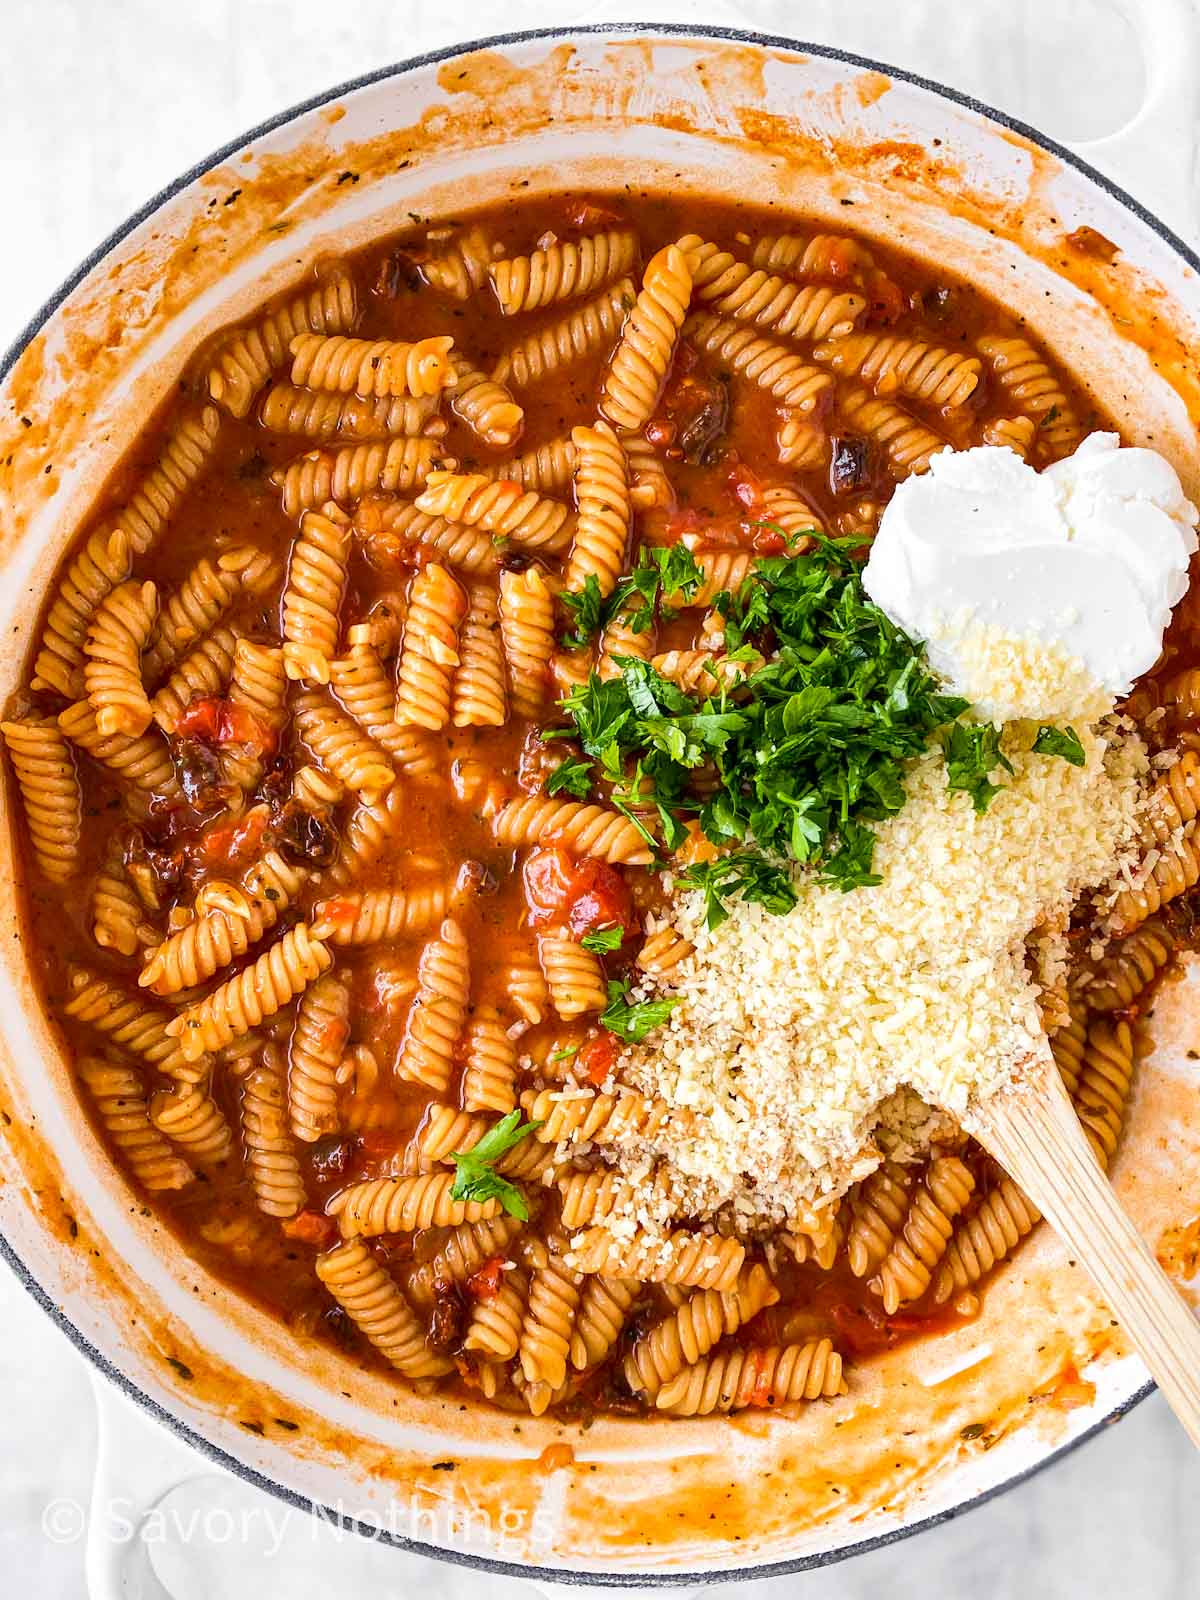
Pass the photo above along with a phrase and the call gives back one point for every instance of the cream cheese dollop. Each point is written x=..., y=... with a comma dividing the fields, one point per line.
x=983, y=558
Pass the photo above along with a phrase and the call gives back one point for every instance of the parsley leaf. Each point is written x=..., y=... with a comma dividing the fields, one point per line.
x=633, y=1022
x=973, y=753
x=1062, y=742
x=573, y=777
x=475, y=1176
x=603, y=940
x=748, y=876
x=586, y=606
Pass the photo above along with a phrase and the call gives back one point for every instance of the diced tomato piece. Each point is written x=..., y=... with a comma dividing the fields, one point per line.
x=768, y=541
x=660, y=432
x=591, y=214
x=234, y=841
x=842, y=259
x=746, y=487
x=595, y=1059
x=582, y=892
x=218, y=721
x=310, y=1227
x=684, y=522
x=549, y=874
x=886, y=298
x=340, y=911
x=200, y=719
x=485, y=1283
x=378, y=1142
x=760, y=1392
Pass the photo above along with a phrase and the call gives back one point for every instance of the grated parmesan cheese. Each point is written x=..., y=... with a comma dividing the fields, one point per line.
x=807, y=1044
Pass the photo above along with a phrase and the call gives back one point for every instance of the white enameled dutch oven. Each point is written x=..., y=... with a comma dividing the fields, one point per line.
x=925, y=1431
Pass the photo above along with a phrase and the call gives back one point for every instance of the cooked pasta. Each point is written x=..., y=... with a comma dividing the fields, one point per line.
x=470, y=1246
x=312, y=601
x=207, y=591
x=369, y=832
x=378, y=915
x=793, y=310
x=402, y=1205
x=340, y=746
x=905, y=1272
x=1011, y=433
x=584, y=1116
x=1129, y=968
x=496, y=1319
x=638, y=371
x=372, y=368
x=403, y=532
x=584, y=829
x=462, y=268
x=320, y=415
x=907, y=444
x=271, y=1160
x=605, y=509
x=244, y=362
x=257, y=992
x=1101, y=1093
x=190, y=1117
x=877, y=1212
x=370, y=1297
x=695, y=1260
x=117, y=634
x=188, y=449
x=490, y=1072
x=549, y=1323
x=891, y=365
x=802, y=443
x=527, y=634
x=439, y=1012
x=545, y=468
x=499, y=508
x=50, y=794
x=583, y=332
x=398, y=466
x=368, y=694
x=479, y=688
x=143, y=761
x=485, y=405
x=315, y=1053
x=987, y=1234
x=130, y=1024
x=1028, y=382
x=782, y=372
x=690, y=1333
x=257, y=703
x=429, y=653
x=117, y=914
x=563, y=270
x=759, y=1376
x=204, y=673
x=823, y=255
x=120, y=1100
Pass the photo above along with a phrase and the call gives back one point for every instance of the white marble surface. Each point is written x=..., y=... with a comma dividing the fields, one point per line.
x=103, y=102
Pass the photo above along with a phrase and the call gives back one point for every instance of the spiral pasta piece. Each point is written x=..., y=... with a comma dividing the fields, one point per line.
x=117, y=916
x=649, y=486
x=378, y=1310
x=605, y=510
x=604, y=1305
x=404, y=1205
x=379, y=915
x=439, y=1012
x=1101, y=1094
x=549, y=1322
x=562, y=270
x=144, y=761
x=190, y=1117
x=466, y=1249
x=490, y=1077
x=782, y=372
x=1130, y=968
x=341, y=747
x=589, y=1117
x=372, y=367
x=258, y=699
x=480, y=692
x=907, y=1269
x=793, y=310
x=104, y=562
x=588, y=1196
x=802, y=443
x=157, y=497
x=574, y=976
x=662, y=952
x=462, y=268
x=271, y=1161
x=50, y=794
x=117, y=634
x=1163, y=875
x=1011, y=433
x=415, y=537
x=315, y=1053
x=891, y=365
x=545, y=468
x=365, y=690
x=485, y=405
x=823, y=255
x=446, y=1130
x=761, y=1376
x=987, y=1235
x=258, y=991
x=496, y=1320
x=194, y=609
x=397, y=466
x=585, y=830
x=429, y=653
x=129, y=1023
x=313, y=598
x=216, y=937
x=499, y=508
x=906, y=443
x=584, y=332
x=320, y=415
x=1028, y=382
x=724, y=570
x=683, y=1339
x=526, y=990
x=878, y=1208
x=246, y=360
x=1068, y=1042
x=694, y=1260
x=642, y=359
x=617, y=640
x=120, y=1100
x=204, y=672
x=527, y=633
x=370, y=831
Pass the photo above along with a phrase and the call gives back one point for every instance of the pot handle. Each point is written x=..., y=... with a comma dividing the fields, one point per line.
x=137, y=1463
x=1154, y=154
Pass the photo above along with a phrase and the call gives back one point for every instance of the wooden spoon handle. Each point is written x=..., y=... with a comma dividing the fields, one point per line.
x=1032, y=1130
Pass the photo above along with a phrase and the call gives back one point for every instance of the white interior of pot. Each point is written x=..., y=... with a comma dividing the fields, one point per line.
x=183, y=1307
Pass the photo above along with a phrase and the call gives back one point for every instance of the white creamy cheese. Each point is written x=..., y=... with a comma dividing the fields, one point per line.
x=1086, y=559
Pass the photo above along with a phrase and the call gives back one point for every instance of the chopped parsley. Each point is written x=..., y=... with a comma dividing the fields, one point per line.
x=749, y=876
x=972, y=752
x=586, y=608
x=573, y=777
x=602, y=941
x=475, y=1176
x=1062, y=742
x=633, y=1022
x=663, y=574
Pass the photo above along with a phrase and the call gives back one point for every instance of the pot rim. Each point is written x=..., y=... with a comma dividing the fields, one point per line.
x=181, y=1429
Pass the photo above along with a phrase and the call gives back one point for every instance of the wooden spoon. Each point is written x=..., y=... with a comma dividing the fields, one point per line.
x=1031, y=1128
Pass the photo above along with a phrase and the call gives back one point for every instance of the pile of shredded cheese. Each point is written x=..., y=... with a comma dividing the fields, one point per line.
x=799, y=1040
